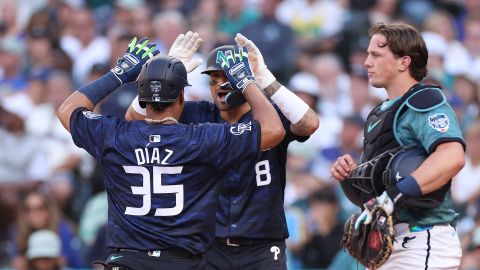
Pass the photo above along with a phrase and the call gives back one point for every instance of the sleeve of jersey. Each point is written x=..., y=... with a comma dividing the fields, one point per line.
x=289, y=136
x=230, y=145
x=87, y=130
x=436, y=127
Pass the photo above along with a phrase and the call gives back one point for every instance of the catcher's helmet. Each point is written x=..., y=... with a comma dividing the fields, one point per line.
x=386, y=170
x=402, y=164
x=161, y=80
x=212, y=59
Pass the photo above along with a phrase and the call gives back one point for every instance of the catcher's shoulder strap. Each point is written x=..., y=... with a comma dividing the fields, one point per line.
x=426, y=99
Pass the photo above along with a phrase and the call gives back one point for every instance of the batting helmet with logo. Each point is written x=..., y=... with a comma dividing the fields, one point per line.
x=212, y=64
x=161, y=80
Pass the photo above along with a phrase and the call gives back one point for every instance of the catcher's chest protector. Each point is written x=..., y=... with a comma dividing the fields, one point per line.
x=378, y=132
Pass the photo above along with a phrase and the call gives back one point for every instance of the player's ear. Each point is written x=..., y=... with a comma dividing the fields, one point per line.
x=181, y=98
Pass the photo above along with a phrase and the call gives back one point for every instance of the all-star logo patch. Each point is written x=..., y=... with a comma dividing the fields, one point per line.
x=91, y=115
x=439, y=122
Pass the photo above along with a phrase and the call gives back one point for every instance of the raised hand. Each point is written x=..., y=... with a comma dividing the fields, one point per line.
x=263, y=76
x=236, y=66
x=130, y=64
x=184, y=47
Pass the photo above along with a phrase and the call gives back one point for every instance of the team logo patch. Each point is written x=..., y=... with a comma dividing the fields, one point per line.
x=240, y=128
x=275, y=250
x=439, y=122
x=91, y=115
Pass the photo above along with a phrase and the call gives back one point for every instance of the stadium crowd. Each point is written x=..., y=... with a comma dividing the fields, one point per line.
x=48, y=48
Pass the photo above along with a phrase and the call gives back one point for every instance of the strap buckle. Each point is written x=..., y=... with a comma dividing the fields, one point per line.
x=231, y=244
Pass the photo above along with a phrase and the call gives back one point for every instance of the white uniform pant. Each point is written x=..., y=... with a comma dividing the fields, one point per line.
x=436, y=248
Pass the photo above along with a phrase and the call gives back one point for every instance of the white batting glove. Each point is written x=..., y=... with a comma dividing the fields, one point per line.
x=184, y=47
x=263, y=76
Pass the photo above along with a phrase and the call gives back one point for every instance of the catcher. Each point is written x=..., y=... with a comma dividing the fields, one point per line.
x=404, y=192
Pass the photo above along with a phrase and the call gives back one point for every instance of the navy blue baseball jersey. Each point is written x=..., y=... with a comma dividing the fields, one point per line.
x=162, y=180
x=252, y=193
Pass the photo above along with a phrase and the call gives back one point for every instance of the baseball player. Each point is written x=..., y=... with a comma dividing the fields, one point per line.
x=162, y=177
x=250, y=221
x=414, y=114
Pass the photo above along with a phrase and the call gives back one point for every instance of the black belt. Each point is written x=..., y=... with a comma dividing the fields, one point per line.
x=237, y=242
x=173, y=253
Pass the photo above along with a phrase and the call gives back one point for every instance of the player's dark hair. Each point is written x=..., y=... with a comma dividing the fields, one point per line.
x=159, y=107
x=405, y=40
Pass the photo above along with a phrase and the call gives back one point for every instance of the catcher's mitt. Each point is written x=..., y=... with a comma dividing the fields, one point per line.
x=371, y=244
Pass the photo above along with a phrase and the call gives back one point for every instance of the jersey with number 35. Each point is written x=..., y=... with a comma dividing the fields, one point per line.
x=162, y=180
x=252, y=193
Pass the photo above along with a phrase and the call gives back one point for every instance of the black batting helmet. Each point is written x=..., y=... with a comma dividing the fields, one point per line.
x=212, y=59
x=161, y=80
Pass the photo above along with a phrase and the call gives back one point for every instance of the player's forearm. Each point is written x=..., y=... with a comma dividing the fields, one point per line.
x=74, y=101
x=307, y=125
x=444, y=163
x=304, y=120
x=272, y=131
x=271, y=89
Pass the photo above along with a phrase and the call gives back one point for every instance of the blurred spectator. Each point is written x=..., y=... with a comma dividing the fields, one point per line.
x=472, y=43
x=11, y=57
x=300, y=184
x=471, y=255
x=94, y=216
x=38, y=211
x=142, y=22
x=349, y=142
x=204, y=21
x=297, y=235
x=335, y=98
x=437, y=48
x=233, y=18
x=274, y=39
x=457, y=59
x=306, y=86
x=362, y=99
x=19, y=154
x=327, y=230
x=466, y=184
x=468, y=92
x=85, y=47
x=92, y=229
x=43, y=251
x=167, y=25
x=313, y=20
x=43, y=46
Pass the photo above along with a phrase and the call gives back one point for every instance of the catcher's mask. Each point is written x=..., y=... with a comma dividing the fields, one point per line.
x=161, y=80
x=390, y=167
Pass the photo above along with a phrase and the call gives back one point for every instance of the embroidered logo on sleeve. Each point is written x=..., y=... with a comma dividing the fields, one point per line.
x=91, y=115
x=240, y=128
x=439, y=122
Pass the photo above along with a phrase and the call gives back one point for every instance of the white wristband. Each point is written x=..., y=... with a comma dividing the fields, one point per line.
x=293, y=107
x=136, y=107
x=264, y=78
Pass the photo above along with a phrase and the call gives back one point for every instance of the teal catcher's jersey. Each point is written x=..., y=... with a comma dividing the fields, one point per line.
x=428, y=129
